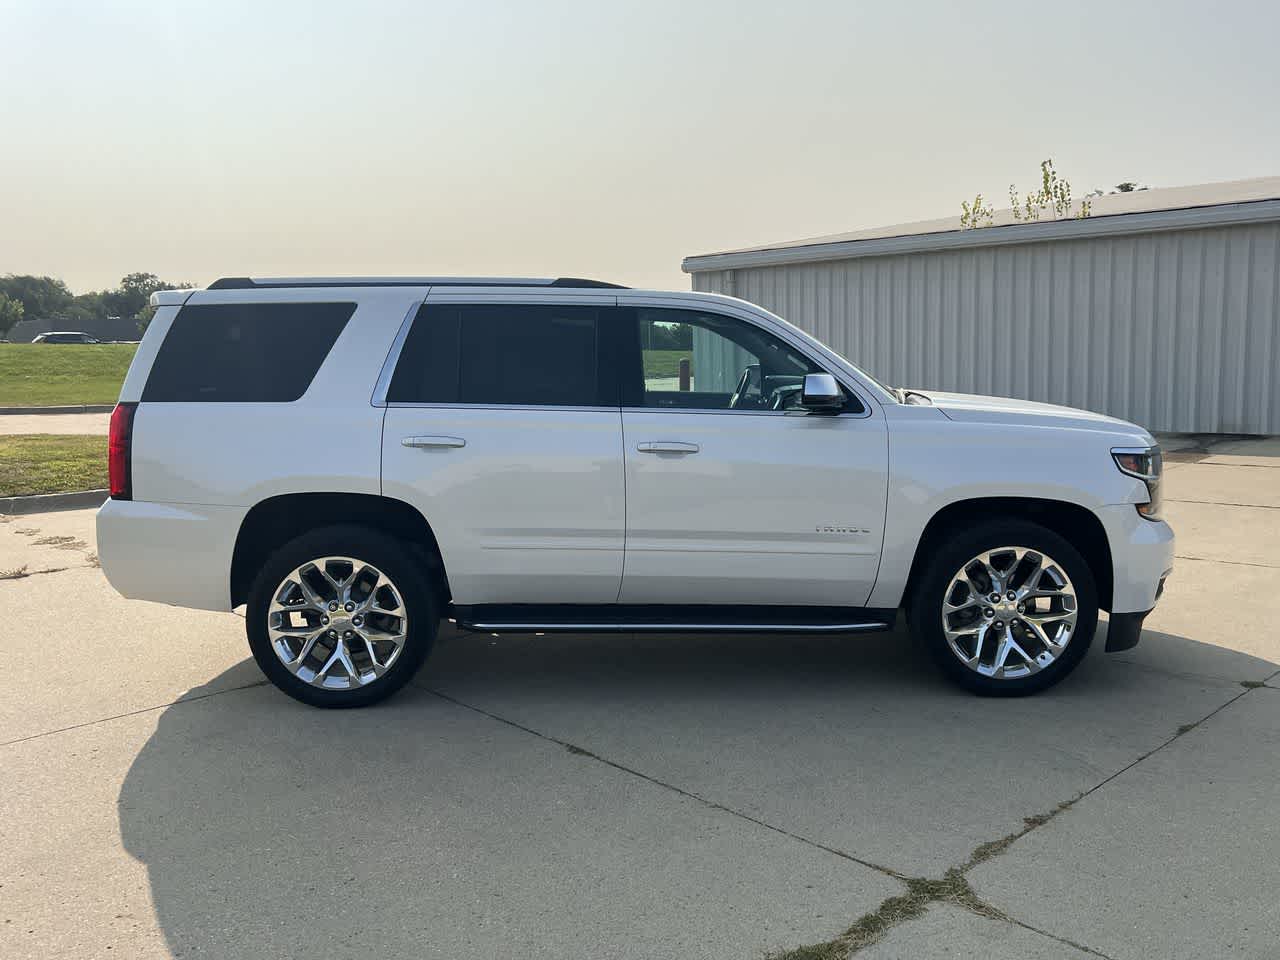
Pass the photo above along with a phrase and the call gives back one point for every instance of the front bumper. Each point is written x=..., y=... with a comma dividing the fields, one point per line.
x=1141, y=558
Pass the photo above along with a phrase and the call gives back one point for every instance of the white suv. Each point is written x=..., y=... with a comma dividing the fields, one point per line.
x=356, y=459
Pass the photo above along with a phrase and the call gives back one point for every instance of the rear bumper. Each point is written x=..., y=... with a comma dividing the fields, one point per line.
x=175, y=553
x=1141, y=558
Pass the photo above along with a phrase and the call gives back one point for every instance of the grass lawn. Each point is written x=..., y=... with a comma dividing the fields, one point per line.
x=57, y=374
x=664, y=363
x=45, y=463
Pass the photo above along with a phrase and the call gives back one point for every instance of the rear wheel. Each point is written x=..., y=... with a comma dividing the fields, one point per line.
x=341, y=617
x=1007, y=608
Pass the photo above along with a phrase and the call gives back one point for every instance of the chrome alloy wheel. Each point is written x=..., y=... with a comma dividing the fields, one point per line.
x=337, y=623
x=1009, y=612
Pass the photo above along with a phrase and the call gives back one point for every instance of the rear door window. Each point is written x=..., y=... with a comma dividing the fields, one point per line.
x=244, y=352
x=504, y=355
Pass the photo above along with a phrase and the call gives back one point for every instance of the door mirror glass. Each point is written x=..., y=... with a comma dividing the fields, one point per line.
x=821, y=393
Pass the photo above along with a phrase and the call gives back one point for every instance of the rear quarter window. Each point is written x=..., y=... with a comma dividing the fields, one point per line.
x=244, y=352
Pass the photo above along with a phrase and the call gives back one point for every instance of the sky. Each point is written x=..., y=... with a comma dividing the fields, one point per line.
x=599, y=139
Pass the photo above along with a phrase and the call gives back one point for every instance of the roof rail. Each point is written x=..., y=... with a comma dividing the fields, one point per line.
x=261, y=283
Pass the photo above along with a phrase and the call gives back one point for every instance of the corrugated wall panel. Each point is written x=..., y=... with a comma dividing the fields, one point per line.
x=1177, y=331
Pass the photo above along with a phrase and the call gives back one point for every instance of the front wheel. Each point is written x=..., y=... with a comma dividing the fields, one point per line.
x=340, y=617
x=1006, y=608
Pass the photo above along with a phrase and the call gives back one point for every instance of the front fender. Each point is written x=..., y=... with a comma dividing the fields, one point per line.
x=935, y=463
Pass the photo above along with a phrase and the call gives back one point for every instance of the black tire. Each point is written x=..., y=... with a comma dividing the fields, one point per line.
x=387, y=555
x=925, y=618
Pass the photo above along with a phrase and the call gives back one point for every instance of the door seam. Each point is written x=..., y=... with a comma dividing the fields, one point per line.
x=626, y=522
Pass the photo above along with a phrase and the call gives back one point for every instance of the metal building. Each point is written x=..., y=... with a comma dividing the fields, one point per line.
x=1162, y=307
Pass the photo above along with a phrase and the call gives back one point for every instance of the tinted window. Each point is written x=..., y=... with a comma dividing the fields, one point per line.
x=245, y=352
x=531, y=355
x=708, y=361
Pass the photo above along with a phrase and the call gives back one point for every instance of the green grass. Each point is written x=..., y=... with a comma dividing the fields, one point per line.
x=664, y=363
x=58, y=374
x=44, y=463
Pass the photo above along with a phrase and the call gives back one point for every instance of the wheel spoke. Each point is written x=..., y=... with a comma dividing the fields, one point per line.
x=347, y=663
x=1000, y=579
x=979, y=637
x=1029, y=661
x=311, y=596
x=1046, y=616
x=308, y=647
x=1002, y=652
x=974, y=600
x=334, y=657
x=373, y=657
x=1037, y=566
x=1042, y=635
x=322, y=567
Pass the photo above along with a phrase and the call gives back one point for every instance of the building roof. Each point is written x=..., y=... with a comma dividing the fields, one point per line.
x=1164, y=208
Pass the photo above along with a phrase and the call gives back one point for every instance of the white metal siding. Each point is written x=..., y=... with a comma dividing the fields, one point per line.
x=1177, y=331
x=717, y=362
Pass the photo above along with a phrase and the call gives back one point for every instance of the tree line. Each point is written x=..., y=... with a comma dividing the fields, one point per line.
x=27, y=297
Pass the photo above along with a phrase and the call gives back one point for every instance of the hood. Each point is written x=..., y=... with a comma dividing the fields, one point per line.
x=974, y=408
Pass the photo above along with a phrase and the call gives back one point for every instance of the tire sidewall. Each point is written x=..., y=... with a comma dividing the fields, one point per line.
x=926, y=604
x=366, y=545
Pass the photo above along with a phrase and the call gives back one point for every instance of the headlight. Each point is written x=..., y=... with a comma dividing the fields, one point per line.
x=1147, y=465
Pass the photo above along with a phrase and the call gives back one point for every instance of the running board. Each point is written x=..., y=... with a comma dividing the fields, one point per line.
x=644, y=618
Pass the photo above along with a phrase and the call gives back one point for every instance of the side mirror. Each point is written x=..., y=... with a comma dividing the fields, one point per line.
x=821, y=394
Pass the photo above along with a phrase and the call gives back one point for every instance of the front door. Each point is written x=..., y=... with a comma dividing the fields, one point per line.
x=503, y=429
x=736, y=494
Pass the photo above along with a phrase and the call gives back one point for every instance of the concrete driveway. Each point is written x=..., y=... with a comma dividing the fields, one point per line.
x=648, y=797
x=64, y=423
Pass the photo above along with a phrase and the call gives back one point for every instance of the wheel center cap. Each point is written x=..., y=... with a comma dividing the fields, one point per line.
x=1006, y=607
x=340, y=624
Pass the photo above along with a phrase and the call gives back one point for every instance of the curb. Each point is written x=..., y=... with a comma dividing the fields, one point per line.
x=48, y=502
x=79, y=408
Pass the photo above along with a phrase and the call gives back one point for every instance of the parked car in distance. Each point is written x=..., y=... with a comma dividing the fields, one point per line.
x=64, y=336
x=354, y=460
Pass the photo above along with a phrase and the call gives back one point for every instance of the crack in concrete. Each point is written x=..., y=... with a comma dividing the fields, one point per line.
x=872, y=927
x=953, y=887
x=1238, y=563
x=1222, y=503
x=1167, y=672
x=714, y=805
x=1181, y=731
x=134, y=713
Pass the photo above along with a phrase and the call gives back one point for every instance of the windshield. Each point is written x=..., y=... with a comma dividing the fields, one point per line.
x=888, y=391
x=876, y=380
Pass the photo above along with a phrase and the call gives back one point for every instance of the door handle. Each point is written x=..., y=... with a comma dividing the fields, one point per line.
x=431, y=443
x=667, y=446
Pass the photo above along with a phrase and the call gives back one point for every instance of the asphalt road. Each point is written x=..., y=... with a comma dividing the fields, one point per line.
x=669, y=797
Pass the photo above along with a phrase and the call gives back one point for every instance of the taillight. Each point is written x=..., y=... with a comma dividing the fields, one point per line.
x=119, y=451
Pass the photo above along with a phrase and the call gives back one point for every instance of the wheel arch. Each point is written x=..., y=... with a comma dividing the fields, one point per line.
x=277, y=520
x=1076, y=524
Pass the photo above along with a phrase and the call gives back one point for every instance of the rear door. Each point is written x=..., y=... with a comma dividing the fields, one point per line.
x=503, y=428
x=735, y=494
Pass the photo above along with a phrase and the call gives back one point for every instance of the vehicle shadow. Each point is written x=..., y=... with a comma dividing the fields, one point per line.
x=423, y=828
